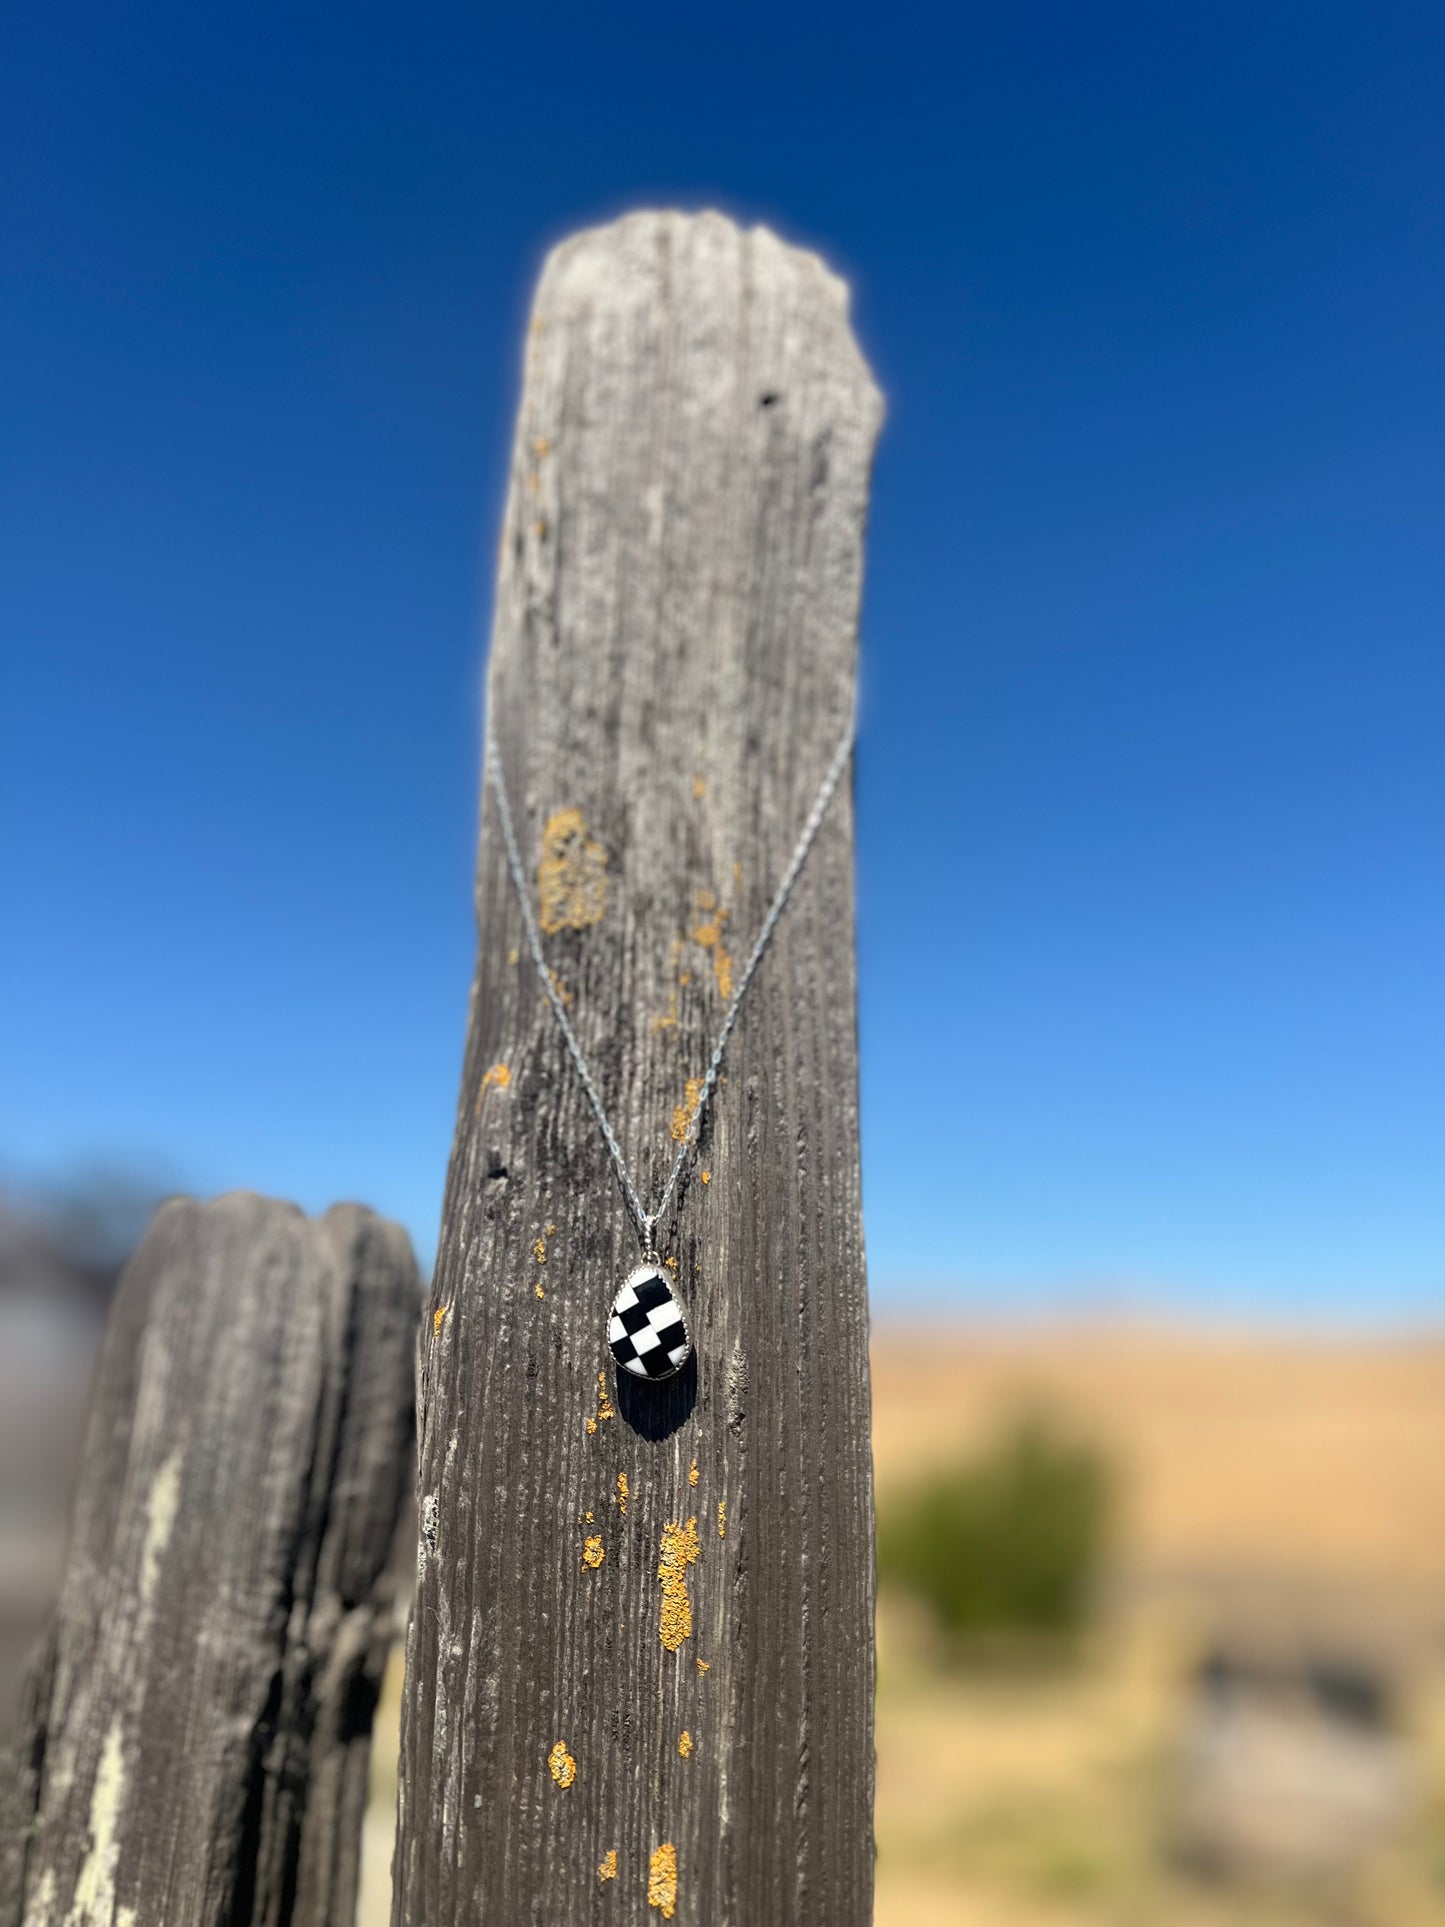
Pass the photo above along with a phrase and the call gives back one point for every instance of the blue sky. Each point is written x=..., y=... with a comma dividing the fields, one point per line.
x=1151, y=790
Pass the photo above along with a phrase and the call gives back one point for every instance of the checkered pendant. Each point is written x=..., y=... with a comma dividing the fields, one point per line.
x=647, y=1332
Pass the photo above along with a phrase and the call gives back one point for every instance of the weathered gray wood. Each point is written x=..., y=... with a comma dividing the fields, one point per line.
x=673, y=657
x=195, y=1742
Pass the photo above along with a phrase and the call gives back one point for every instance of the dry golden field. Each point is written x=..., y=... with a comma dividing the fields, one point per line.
x=1295, y=1485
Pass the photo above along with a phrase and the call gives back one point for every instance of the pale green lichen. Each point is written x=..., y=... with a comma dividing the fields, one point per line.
x=94, y=1904
x=161, y=1509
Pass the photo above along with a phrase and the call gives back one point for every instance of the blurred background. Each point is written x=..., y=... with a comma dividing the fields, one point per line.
x=1150, y=788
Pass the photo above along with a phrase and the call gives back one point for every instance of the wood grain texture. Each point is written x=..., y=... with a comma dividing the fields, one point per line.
x=673, y=658
x=196, y=1735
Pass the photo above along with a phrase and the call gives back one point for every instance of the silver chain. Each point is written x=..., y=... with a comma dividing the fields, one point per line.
x=647, y=1221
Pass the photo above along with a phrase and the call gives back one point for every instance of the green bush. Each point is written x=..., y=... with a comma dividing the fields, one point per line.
x=1010, y=1542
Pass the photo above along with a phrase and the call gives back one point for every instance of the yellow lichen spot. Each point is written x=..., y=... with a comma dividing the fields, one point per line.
x=607, y=1865
x=586, y=1518
x=692, y=1473
x=722, y=1518
x=512, y=956
x=604, y=1398
x=497, y=1078
x=591, y=1425
x=671, y=1264
x=680, y=1549
x=564, y=995
x=684, y=1745
x=561, y=1765
x=704, y=1177
x=662, y=1880
x=572, y=876
x=669, y=1021
x=540, y=446
x=539, y=1250
x=682, y=1117
x=438, y=1318
x=722, y=965
x=704, y=899
x=594, y=1552
x=549, y=1229
x=704, y=1666
x=699, y=789
x=539, y=528
x=622, y=1494
x=685, y=979
x=540, y=1291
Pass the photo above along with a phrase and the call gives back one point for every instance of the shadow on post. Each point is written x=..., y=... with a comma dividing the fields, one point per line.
x=655, y=1412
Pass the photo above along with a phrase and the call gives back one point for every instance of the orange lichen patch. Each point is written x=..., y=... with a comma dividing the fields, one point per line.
x=497, y=1078
x=622, y=1493
x=604, y=1409
x=607, y=1865
x=692, y=1473
x=684, y=1745
x=561, y=989
x=561, y=1765
x=699, y=789
x=572, y=876
x=680, y=1549
x=594, y=1552
x=671, y=1264
x=586, y=1518
x=541, y=1293
x=705, y=1177
x=709, y=935
x=549, y=1229
x=704, y=1666
x=668, y=1022
x=437, y=1319
x=539, y=1250
x=662, y=1880
x=682, y=1117
x=540, y=446
x=722, y=1518
x=685, y=979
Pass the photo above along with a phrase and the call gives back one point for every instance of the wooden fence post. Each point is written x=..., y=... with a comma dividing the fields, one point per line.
x=640, y=1663
x=195, y=1740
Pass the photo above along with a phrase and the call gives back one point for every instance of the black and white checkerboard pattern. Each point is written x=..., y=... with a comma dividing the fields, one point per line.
x=647, y=1332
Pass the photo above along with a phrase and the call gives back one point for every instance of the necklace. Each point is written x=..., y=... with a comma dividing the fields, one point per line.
x=647, y=1330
